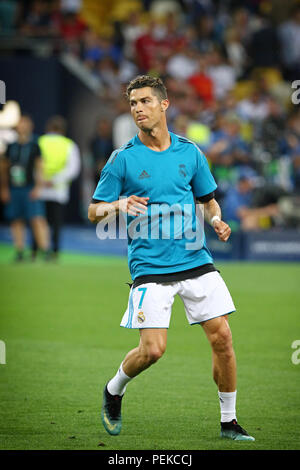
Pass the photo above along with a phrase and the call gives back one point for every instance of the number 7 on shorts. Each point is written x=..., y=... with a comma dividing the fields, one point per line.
x=143, y=289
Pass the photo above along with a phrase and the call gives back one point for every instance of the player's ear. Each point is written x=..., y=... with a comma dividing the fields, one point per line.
x=164, y=104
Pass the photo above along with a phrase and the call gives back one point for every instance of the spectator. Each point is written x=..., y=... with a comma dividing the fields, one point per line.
x=290, y=143
x=272, y=128
x=206, y=37
x=289, y=36
x=227, y=151
x=254, y=108
x=38, y=20
x=71, y=6
x=145, y=49
x=108, y=72
x=20, y=188
x=222, y=74
x=263, y=48
x=71, y=29
x=103, y=48
x=201, y=82
x=182, y=65
x=228, y=148
x=132, y=29
x=236, y=52
x=238, y=205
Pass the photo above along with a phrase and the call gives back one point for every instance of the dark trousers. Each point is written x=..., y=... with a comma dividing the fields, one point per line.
x=54, y=216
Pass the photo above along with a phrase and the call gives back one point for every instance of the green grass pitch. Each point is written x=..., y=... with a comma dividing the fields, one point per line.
x=60, y=324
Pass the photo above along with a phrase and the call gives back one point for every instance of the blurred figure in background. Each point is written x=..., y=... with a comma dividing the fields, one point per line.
x=101, y=146
x=242, y=206
x=61, y=165
x=21, y=180
x=289, y=37
x=123, y=128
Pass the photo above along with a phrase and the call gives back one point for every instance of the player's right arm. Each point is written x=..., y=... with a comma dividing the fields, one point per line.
x=132, y=205
x=106, y=202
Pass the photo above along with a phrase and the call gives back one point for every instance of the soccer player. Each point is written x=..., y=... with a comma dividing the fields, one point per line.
x=159, y=169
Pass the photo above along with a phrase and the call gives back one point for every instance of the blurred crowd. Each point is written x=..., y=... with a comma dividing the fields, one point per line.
x=228, y=67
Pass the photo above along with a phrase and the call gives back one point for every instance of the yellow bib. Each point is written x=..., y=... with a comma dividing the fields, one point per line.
x=55, y=149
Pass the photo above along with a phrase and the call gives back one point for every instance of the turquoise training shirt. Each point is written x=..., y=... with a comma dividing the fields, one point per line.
x=162, y=240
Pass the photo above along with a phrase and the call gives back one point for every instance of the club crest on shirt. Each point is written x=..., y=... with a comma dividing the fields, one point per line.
x=141, y=317
x=182, y=170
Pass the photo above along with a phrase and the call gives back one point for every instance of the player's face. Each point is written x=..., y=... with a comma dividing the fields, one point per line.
x=146, y=108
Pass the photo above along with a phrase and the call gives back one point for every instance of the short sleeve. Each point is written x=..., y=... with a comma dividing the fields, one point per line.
x=110, y=184
x=203, y=182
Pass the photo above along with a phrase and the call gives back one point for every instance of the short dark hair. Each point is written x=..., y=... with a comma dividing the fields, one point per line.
x=142, y=81
x=56, y=124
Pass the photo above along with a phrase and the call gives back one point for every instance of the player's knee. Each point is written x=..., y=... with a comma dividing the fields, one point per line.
x=154, y=353
x=221, y=341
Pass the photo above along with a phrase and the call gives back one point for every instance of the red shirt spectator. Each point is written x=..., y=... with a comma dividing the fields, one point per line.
x=145, y=47
x=71, y=27
x=203, y=86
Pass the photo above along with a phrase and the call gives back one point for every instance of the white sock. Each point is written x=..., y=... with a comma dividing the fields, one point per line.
x=227, y=405
x=117, y=385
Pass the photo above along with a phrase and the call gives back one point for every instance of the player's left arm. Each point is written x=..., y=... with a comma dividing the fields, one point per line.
x=38, y=179
x=213, y=215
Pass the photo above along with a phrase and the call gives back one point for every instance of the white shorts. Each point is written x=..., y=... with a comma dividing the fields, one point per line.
x=204, y=297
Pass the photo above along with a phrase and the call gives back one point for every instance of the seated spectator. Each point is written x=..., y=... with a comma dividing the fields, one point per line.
x=221, y=72
x=227, y=145
x=71, y=6
x=227, y=151
x=263, y=48
x=71, y=28
x=145, y=48
x=131, y=29
x=183, y=65
x=255, y=108
x=206, y=35
x=289, y=37
x=108, y=72
x=296, y=172
x=201, y=82
x=172, y=40
x=290, y=143
x=236, y=51
x=37, y=21
x=238, y=205
x=97, y=48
